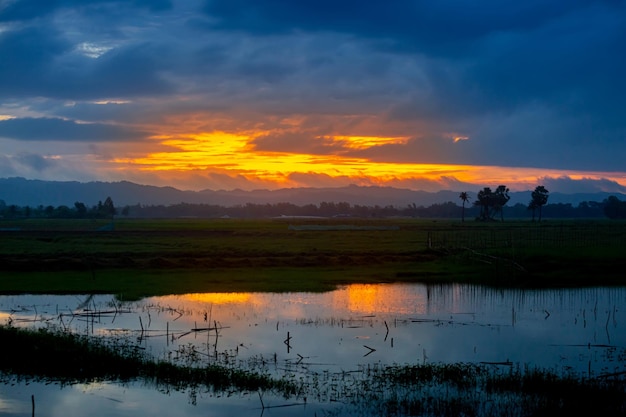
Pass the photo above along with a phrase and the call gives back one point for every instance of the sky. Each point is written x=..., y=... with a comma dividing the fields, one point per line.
x=250, y=94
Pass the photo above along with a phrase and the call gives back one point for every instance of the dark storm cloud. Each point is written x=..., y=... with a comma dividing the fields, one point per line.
x=31, y=53
x=43, y=64
x=48, y=129
x=31, y=9
x=409, y=24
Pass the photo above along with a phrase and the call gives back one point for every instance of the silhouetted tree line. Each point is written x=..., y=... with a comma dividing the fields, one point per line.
x=491, y=203
x=102, y=210
x=611, y=207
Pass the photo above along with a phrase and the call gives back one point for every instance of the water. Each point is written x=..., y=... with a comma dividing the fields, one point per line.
x=302, y=334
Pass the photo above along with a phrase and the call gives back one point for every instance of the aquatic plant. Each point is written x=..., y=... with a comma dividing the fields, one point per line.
x=432, y=389
x=51, y=354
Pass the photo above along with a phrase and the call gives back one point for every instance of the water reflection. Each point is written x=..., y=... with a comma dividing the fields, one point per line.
x=575, y=330
x=221, y=298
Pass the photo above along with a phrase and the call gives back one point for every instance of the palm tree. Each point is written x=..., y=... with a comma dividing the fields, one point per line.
x=484, y=200
x=465, y=198
x=501, y=197
x=539, y=199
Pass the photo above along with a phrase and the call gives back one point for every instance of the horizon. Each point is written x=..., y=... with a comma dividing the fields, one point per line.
x=586, y=189
x=567, y=192
x=225, y=95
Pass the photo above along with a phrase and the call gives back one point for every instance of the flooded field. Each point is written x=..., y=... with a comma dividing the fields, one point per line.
x=321, y=340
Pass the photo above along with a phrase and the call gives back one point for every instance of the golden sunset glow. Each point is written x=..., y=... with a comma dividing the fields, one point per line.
x=363, y=298
x=233, y=155
x=367, y=298
x=219, y=298
x=364, y=142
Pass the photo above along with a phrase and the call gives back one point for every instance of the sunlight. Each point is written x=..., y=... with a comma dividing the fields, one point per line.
x=219, y=298
x=365, y=142
x=372, y=298
x=230, y=155
x=230, y=152
x=363, y=298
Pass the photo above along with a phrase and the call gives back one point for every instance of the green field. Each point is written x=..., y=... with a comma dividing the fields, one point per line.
x=154, y=257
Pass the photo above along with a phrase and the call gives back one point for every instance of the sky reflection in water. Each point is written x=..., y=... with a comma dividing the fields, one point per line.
x=579, y=329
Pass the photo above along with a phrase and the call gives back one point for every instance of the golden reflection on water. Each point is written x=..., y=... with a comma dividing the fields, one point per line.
x=220, y=298
x=381, y=298
x=362, y=299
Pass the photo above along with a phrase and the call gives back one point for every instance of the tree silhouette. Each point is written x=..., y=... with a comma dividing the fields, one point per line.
x=539, y=198
x=465, y=198
x=108, y=209
x=532, y=206
x=81, y=209
x=501, y=197
x=614, y=208
x=492, y=202
x=484, y=200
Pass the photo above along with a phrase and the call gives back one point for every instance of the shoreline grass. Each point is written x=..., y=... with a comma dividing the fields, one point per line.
x=407, y=389
x=68, y=358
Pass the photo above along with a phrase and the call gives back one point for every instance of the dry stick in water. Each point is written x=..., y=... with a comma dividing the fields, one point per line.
x=287, y=342
x=261, y=398
x=371, y=350
x=217, y=335
x=141, y=324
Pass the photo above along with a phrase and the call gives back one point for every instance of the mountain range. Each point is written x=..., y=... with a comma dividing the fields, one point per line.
x=25, y=192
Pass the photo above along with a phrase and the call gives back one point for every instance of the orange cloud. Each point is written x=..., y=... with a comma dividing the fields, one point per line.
x=205, y=158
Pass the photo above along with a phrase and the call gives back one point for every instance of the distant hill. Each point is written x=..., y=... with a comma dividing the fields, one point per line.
x=23, y=192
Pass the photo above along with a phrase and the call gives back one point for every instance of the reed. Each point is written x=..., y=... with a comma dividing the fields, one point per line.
x=401, y=389
x=48, y=354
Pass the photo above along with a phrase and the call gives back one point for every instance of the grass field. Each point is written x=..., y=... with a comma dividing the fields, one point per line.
x=154, y=257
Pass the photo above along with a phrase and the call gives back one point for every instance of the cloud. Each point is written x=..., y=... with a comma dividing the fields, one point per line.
x=322, y=180
x=20, y=10
x=415, y=25
x=34, y=161
x=567, y=185
x=296, y=143
x=46, y=62
x=50, y=129
x=531, y=84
